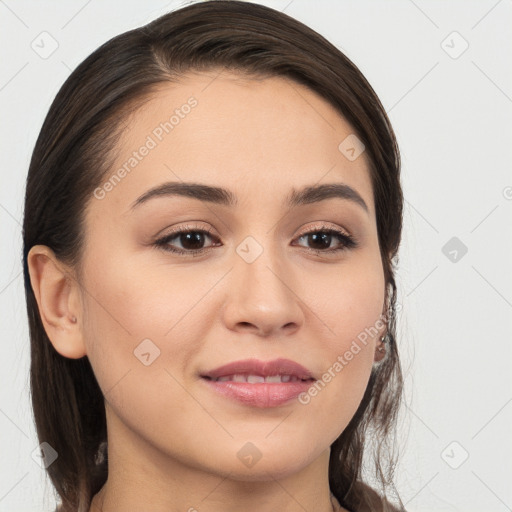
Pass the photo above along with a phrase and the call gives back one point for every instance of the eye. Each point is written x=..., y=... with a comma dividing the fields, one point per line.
x=322, y=237
x=192, y=241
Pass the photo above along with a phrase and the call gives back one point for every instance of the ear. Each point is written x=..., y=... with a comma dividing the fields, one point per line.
x=58, y=299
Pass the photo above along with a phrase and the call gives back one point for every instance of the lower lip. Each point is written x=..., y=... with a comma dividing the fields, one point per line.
x=260, y=394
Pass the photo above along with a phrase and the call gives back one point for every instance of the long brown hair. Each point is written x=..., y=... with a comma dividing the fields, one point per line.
x=75, y=150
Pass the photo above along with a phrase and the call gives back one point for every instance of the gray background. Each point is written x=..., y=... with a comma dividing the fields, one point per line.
x=451, y=110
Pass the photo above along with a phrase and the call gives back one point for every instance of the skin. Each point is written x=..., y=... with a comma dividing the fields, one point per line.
x=173, y=442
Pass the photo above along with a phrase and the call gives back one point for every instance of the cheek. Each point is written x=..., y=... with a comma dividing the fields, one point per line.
x=352, y=309
x=349, y=303
x=133, y=317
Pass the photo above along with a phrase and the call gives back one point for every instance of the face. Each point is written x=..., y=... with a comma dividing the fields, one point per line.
x=256, y=275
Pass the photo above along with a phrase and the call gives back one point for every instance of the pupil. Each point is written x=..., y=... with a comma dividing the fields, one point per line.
x=325, y=239
x=192, y=240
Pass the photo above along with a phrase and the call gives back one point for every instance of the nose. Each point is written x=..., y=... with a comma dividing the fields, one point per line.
x=261, y=298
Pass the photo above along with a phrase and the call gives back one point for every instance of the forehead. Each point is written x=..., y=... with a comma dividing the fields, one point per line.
x=258, y=137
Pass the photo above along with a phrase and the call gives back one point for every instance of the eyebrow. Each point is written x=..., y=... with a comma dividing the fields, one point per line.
x=217, y=195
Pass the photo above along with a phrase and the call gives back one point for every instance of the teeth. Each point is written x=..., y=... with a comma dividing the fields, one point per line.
x=255, y=379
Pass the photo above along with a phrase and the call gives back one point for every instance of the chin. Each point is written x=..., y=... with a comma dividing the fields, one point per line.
x=264, y=471
x=258, y=462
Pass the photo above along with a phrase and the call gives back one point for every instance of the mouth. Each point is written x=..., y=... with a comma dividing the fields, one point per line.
x=254, y=370
x=258, y=379
x=260, y=383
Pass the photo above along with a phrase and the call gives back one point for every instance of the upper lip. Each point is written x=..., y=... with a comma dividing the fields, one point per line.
x=263, y=368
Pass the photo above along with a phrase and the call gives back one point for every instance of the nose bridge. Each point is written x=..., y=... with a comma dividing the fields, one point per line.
x=259, y=267
x=262, y=287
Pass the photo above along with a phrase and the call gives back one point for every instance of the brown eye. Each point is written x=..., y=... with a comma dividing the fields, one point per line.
x=188, y=241
x=320, y=240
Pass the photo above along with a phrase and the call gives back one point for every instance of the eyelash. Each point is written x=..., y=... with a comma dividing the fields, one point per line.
x=346, y=241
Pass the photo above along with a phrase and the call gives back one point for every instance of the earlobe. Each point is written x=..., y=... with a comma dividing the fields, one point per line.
x=58, y=300
x=380, y=349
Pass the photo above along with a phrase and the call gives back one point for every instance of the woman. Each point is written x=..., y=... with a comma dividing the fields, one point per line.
x=212, y=215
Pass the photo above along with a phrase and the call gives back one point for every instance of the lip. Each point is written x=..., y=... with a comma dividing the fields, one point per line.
x=260, y=394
